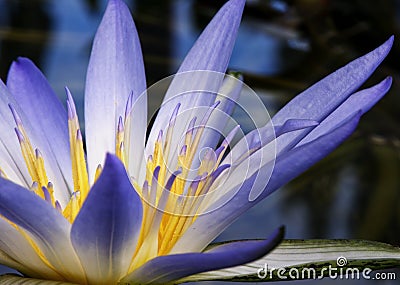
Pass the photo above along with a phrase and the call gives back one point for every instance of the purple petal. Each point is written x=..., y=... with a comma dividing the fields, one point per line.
x=47, y=118
x=363, y=99
x=115, y=71
x=213, y=48
x=255, y=139
x=293, y=125
x=287, y=166
x=11, y=158
x=107, y=227
x=164, y=269
x=48, y=228
x=193, y=87
x=318, y=101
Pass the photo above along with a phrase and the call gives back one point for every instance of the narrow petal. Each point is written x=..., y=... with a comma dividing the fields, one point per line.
x=228, y=96
x=260, y=157
x=287, y=166
x=321, y=99
x=11, y=160
x=115, y=71
x=47, y=118
x=318, y=101
x=164, y=269
x=300, y=254
x=201, y=74
x=213, y=49
x=47, y=227
x=363, y=99
x=293, y=125
x=259, y=138
x=108, y=225
x=14, y=245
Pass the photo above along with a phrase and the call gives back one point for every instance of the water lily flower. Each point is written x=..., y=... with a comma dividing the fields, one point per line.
x=129, y=210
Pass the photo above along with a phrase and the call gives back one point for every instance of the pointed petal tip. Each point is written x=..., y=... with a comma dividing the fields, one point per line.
x=382, y=87
x=20, y=63
x=387, y=82
x=280, y=232
x=21, y=60
x=113, y=163
x=119, y=4
x=111, y=160
x=17, y=64
x=391, y=39
x=236, y=4
x=386, y=46
x=212, y=50
x=234, y=7
x=68, y=92
x=274, y=239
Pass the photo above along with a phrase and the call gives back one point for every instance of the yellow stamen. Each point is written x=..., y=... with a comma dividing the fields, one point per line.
x=3, y=174
x=98, y=172
x=119, y=141
x=79, y=170
x=82, y=176
x=40, y=170
x=72, y=209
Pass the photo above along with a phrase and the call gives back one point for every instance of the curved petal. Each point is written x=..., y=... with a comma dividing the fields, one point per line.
x=213, y=49
x=115, y=71
x=287, y=166
x=209, y=121
x=164, y=269
x=108, y=225
x=318, y=101
x=14, y=245
x=322, y=98
x=193, y=87
x=47, y=118
x=11, y=160
x=363, y=99
x=47, y=227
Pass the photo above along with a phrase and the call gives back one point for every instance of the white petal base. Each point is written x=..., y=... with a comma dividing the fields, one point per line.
x=18, y=280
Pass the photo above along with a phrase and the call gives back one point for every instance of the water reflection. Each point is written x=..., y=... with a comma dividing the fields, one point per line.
x=271, y=43
x=283, y=46
x=23, y=22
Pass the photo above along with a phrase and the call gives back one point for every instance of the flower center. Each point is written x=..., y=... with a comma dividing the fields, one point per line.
x=173, y=194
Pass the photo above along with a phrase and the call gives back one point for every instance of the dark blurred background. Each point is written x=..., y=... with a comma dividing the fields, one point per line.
x=282, y=47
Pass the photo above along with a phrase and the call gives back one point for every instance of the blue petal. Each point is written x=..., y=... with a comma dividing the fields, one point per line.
x=363, y=99
x=48, y=228
x=47, y=118
x=287, y=166
x=10, y=152
x=115, y=71
x=293, y=125
x=291, y=164
x=107, y=227
x=318, y=101
x=211, y=53
x=164, y=269
x=321, y=99
x=213, y=48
